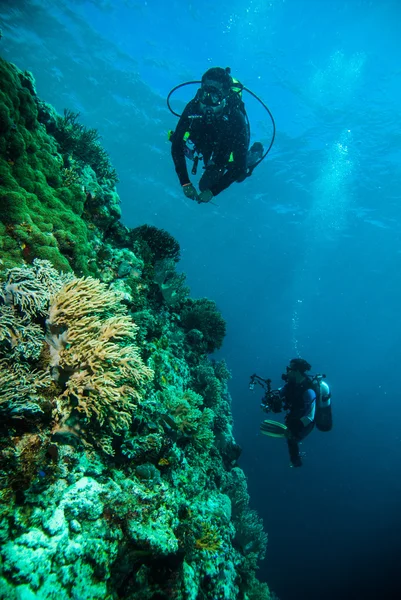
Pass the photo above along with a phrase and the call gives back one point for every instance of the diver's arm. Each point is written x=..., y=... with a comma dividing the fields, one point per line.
x=177, y=148
x=309, y=398
x=282, y=390
x=240, y=151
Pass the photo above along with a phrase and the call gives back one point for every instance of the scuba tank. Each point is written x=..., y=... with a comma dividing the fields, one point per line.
x=323, y=413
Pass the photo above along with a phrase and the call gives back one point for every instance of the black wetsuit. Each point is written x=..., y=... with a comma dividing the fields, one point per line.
x=227, y=134
x=300, y=401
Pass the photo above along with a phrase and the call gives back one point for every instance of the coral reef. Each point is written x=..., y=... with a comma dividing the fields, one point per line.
x=52, y=204
x=118, y=467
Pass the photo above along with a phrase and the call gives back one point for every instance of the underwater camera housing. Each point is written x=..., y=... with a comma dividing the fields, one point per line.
x=271, y=401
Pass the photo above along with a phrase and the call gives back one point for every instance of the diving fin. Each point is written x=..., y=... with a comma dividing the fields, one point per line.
x=273, y=429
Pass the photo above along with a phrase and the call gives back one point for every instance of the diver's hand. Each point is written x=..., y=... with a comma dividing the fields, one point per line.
x=190, y=191
x=205, y=196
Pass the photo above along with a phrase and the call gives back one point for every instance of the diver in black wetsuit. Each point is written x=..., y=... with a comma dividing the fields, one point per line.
x=307, y=400
x=214, y=123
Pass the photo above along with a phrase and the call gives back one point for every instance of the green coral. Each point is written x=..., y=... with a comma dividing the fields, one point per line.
x=186, y=414
x=41, y=216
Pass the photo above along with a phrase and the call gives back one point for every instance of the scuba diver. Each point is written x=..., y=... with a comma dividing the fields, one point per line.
x=214, y=127
x=307, y=400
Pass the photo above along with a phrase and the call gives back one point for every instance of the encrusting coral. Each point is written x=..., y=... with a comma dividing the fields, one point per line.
x=118, y=466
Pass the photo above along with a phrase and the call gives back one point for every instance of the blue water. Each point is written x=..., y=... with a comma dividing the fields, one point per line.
x=303, y=259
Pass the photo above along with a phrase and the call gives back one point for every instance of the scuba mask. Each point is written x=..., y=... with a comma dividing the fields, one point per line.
x=284, y=376
x=210, y=95
x=211, y=101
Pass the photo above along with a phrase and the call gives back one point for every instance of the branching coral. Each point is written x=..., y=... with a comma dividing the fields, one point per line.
x=22, y=290
x=19, y=390
x=25, y=297
x=221, y=370
x=94, y=352
x=183, y=410
x=80, y=298
x=19, y=337
x=30, y=288
x=209, y=540
x=91, y=338
x=258, y=590
x=70, y=176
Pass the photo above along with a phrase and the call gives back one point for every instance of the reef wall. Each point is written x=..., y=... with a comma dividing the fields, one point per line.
x=118, y=466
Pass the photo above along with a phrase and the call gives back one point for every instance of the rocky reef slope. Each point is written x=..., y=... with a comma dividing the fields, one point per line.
x=118, y=466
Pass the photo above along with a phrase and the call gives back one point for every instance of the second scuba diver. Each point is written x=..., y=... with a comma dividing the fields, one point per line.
x=307, y=400
x=216, y=126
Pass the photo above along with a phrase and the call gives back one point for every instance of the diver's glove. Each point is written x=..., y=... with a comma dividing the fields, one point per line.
x=190, y=191
x=205, y=196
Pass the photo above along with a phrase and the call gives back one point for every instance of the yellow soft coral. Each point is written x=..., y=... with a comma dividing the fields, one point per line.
x=210, y=540
x=83, y=297
x=94, y=353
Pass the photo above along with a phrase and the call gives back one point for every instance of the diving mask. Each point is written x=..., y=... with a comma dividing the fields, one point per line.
x=210, y=96
x=211, y=100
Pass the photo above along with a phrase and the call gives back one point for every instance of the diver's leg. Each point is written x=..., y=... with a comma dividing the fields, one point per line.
x=293, y=450
x=297, y=433
x=216, y=164
x=210, y=177
x=305, y=431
